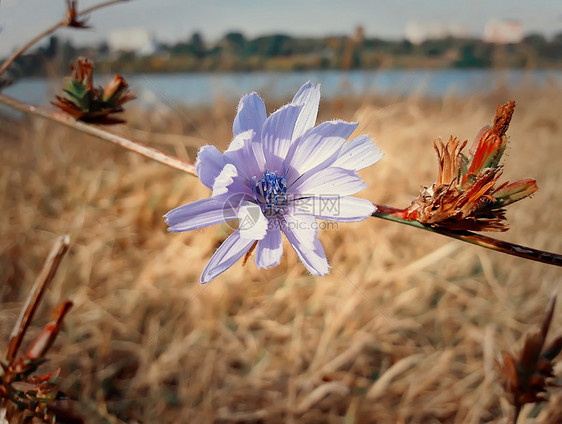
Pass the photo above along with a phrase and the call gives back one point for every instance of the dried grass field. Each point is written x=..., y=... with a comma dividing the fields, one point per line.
x=406, y=328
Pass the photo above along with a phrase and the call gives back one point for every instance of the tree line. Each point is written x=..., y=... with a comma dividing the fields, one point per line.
x=281, y=52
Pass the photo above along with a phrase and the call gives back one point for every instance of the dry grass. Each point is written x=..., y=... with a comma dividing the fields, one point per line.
x=404, y=329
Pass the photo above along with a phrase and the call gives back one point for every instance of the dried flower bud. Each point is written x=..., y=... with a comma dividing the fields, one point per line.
x=82, y=72
x=465, y=195
x=488, y=147
x=71, y=18
x=24, y=396
x=86, y=103
x=527, y=377
x=116, y=91
x=511, y=193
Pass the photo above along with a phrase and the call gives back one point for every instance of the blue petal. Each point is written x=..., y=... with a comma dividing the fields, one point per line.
x=308, y=97
x=209, y=164
x=199, y=214
x=230, y=182
x=343, y=209
x=358, y=153
x=313, y=258
x=224, y=179
x=276, y=135
x=328, y=182
x=247, y=154
x=318, y=148
x=270, y=249
x=304, y=227
x=228, y=253
x=251, y=115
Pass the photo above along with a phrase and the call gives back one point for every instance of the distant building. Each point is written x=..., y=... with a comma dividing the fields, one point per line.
x=138, y=40
x=359, y=35
x=417, y=32
x=503, y=32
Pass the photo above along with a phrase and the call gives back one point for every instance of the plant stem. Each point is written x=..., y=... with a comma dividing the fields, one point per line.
x=100, y=132
x=384, y=212
x=34, y=298
x=30, y=43
x=99, y=6
x=516, y=414
x=48, y=31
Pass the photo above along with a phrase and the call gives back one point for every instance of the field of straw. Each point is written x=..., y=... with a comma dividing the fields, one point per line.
x=406, y=328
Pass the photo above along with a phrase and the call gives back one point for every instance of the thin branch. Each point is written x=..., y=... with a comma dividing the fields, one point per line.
x=30, y=43
x=100, y=132
x=48, y=31
x=99, y=6
x=384, y=212
x=516, y=414
x=47, y=337
x=43, y=279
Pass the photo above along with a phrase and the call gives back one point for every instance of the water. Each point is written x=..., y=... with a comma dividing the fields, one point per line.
x=203, y=89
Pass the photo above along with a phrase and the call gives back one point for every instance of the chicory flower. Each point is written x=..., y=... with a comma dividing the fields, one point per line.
x=279, y=175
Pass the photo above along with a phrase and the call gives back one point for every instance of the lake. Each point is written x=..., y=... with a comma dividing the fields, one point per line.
x=195, y=89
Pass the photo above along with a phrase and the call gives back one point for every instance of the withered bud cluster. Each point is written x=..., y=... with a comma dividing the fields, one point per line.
x=71, y=18
x=466, y=195
x=528, y=375
x=85, y=102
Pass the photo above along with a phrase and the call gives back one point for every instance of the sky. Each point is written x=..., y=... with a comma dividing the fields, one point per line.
x=173, y=20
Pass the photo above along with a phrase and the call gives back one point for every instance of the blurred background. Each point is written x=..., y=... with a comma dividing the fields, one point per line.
x=196, y=53
x=405, y=328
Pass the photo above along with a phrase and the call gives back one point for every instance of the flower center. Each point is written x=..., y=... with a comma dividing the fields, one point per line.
x=271, y=192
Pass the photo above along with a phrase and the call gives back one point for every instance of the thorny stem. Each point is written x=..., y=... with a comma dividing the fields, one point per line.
x=48, y=31
x=100, y=132
x=384, y=212
x=41, y=283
